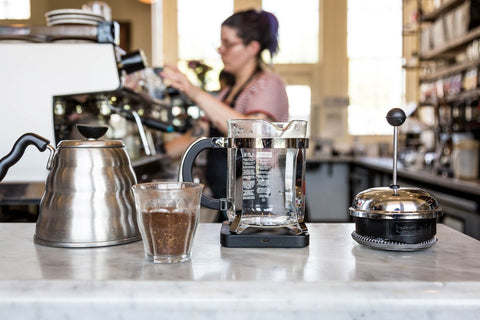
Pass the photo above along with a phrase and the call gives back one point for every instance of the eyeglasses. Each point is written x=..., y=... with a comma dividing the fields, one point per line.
x=228, y=45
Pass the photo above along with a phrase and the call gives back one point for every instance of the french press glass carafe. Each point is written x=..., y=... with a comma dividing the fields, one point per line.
x=265, y=174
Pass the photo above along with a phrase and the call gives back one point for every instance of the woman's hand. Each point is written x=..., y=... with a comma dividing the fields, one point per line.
x=175, y=78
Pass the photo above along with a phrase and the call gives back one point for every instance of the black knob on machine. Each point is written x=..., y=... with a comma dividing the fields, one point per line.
x=133, y=61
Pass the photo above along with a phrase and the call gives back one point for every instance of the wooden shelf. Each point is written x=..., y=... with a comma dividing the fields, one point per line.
x=475, y=93
x=444, y=8
x=451, y=45
x=411, y=67
x=450, y=70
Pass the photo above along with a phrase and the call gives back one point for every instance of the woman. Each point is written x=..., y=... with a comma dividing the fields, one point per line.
x=257, y=92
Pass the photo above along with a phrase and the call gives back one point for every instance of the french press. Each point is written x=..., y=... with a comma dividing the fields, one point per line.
x=265, y=196
x=395, y=218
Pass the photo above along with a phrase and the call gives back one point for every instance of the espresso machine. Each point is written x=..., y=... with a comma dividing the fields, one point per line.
x=53, y=78
x=32, y=75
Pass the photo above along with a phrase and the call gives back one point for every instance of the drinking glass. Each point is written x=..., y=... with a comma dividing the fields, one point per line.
x=167, y=214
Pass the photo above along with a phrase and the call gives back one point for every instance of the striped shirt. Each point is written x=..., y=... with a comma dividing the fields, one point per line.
x=264, y=94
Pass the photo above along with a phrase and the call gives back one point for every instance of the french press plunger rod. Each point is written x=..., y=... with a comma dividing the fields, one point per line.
x=395, y=117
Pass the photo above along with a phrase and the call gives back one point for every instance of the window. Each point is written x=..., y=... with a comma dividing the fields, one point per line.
x=15, y=9
x=199, y=35
x=299, y=98
x=298, y=30
x=298, y=43
x=374, y=44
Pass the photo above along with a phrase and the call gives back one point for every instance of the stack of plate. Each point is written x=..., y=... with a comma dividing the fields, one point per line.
x=73, y=16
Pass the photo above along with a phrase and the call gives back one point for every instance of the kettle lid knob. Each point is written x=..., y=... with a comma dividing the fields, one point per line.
x=91, y=131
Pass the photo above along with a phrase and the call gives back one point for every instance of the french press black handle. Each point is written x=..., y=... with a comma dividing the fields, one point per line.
x=19, y=149
x=188, y=160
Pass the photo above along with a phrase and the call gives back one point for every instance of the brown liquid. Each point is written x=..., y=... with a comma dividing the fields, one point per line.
x=168, y=232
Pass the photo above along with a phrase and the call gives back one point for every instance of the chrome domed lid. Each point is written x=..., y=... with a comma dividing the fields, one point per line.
x=395, y=203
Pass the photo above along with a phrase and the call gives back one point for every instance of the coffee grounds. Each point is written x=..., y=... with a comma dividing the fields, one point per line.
x=168, y=233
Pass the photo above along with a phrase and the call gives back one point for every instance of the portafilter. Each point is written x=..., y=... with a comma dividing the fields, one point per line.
x=395, y=218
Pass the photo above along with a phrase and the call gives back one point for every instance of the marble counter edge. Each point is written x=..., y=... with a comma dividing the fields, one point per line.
x=164, y=290
x=236, y=300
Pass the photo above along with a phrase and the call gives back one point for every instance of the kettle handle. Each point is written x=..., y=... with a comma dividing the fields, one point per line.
x=18, y=150
x=186, y=165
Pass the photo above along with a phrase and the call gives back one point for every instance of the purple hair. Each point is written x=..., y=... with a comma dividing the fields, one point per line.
x=253, y=25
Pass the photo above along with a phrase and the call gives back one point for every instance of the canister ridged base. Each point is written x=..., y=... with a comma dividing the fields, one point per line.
x=383, y=244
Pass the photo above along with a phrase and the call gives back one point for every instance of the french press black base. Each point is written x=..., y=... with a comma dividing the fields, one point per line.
x=264, y=238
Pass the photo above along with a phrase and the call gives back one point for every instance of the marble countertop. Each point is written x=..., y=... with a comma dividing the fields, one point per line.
x=334, y=277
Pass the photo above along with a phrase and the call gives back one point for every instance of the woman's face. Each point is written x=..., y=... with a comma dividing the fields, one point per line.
x=235, y=55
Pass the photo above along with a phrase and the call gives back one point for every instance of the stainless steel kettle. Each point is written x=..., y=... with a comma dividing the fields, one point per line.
x=88, y=201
